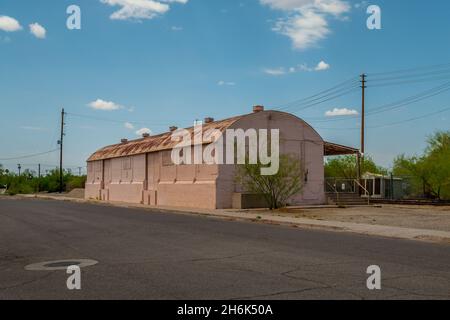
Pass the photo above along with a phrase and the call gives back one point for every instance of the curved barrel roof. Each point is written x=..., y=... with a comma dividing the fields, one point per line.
x=164, y=142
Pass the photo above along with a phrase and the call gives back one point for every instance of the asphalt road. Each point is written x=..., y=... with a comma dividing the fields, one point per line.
x=148, y=255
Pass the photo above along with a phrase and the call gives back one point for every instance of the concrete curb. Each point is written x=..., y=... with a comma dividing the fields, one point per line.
x=262, y=217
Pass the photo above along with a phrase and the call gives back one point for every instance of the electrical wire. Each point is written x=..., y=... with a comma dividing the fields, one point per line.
x=410, y=69
x=113, y=121
x=322, y=94
x=394, y=123
x=327, y=98
x=395, y=105
x=29, y=156
x=420, y=75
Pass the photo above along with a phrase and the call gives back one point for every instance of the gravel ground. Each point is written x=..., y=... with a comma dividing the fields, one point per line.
x=419, y=217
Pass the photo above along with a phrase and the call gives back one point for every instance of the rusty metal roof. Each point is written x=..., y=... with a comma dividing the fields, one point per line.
x=333, y=149
x=154, y=143
x=164, y=142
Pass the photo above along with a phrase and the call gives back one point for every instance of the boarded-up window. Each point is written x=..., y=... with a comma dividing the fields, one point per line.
x=107, y=167
x=167, y=158
x=126, y=164
x=126, y=169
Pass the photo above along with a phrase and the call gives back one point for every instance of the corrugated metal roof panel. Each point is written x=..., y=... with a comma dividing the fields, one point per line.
x=333, y=149
x=154, y=143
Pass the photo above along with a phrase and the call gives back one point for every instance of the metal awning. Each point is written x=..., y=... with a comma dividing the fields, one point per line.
x=333, y=149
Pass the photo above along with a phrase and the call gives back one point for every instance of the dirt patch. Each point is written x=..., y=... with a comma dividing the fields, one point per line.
x=76, y=193
x=418, y=217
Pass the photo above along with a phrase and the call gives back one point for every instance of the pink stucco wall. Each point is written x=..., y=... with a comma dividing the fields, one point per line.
x=297, y=138
x=150, y=179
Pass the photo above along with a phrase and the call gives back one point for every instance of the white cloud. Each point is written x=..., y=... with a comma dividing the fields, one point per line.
x=38, y=31
x=140, y=9
x=275, y=71
x=129, y=125
x=225, y=83
x=9, y=24
x=175, y=28
x=336, y=112
x=140, y=132
x=304, y=29
x=335, y=7
x=100, y=104
x=307, y=20
x=322, y=66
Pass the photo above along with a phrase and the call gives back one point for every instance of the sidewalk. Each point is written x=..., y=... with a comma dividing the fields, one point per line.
x=265, y=216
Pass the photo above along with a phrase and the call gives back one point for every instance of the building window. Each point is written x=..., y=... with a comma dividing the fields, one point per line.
x=167, y=158
x=126, y=164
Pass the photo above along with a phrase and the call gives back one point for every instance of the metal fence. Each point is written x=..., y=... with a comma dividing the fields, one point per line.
x=337, y=185
x=388, y=187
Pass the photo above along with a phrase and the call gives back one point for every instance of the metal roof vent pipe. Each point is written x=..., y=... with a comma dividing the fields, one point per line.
x=124, y=141
x=257, y=109
x=209, y=120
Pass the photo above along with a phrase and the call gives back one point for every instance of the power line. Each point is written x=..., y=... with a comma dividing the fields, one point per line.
x=302, y=107
x=411, y=69
x=419, y=75
x=409, y=82
x=413, y=119
x=319, y=95
x=394, y=123
x=413, y=75
x=413, y=99
x=113, y=121
x=30, y=155
x=397, y=104
x=46, y=165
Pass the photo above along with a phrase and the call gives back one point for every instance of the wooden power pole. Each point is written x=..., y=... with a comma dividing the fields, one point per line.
x=61, y=143
x=360, y=156
x=39, y=178
x=363, y=114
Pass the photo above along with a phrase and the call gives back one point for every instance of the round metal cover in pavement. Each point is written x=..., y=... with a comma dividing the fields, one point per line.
x=60, y=264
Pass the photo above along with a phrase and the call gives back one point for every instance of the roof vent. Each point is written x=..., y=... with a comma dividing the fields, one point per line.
x=209, y=120
x=257, y=109
x=173, y=128
x=124, y=140
x=145, y=135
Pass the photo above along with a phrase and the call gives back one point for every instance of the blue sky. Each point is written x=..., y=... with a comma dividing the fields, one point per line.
x=162, y=63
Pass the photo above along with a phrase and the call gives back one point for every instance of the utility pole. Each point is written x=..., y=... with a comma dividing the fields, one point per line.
x=79, y=171
x=363, y=113
x=19, y=167
x=61, y=142
x=360, y=156
x=39, y=178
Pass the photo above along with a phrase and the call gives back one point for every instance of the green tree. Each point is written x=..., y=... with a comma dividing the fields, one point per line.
x=430, y=173
x=28, y=182
x=276, y=189
x=346, y=167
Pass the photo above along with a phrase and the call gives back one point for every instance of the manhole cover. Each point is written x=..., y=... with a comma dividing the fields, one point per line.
x=60, y=264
